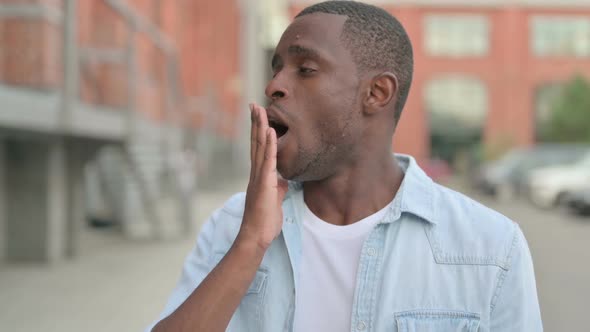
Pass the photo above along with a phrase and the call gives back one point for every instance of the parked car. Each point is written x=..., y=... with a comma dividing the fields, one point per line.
x=506, y=177
x=550, y=186
x=496, y=175
x=579, y=201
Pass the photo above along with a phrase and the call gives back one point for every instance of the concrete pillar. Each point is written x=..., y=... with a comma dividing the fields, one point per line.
x=252, y=69
x=57, y=200
x=35, y=185
x=44, y=199
x=70, y=63
x=78, y=154
x=262, y=24
x=2, y=204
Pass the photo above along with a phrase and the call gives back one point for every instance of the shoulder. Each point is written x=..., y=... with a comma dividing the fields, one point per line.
x=221, y=228
x=469, y=232
x=235, y=205
x=229, y=216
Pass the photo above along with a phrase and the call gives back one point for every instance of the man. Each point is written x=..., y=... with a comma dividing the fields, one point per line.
x=358, y=240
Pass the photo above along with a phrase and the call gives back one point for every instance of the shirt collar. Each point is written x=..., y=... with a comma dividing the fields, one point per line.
x=416, y=193
x=414, y=196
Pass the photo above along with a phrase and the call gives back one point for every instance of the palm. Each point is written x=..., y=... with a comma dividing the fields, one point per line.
x=263, y=217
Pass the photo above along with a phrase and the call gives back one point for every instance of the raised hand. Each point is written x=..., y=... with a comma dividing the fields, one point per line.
x=263, y=215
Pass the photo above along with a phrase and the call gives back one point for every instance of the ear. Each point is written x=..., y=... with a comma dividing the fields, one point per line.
x=382, y=91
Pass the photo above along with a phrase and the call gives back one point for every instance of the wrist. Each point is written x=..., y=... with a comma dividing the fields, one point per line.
x=250, y=243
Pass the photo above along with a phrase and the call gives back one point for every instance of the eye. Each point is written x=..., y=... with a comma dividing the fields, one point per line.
x=306, y=70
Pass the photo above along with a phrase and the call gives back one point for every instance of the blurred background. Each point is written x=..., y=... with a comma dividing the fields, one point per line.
x=124, y=123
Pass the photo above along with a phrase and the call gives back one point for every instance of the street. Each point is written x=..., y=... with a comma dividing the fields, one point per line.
x=121, y=285
x=115, y=284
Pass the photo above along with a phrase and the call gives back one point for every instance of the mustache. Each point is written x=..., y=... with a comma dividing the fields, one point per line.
x=278, y=107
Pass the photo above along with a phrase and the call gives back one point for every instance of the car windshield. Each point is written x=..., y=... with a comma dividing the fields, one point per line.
x=556, y=155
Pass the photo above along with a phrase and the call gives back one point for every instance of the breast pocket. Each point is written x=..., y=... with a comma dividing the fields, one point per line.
x=436, y=321
x=248, y=315
x=258, y=283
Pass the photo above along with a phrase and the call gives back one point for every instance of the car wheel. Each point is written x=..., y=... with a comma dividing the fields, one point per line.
x=561, y=199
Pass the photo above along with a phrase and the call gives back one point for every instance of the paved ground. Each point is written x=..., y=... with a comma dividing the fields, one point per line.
x=118, y=285
x=114, y=285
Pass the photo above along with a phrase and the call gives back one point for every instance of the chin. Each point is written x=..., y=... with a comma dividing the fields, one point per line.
x=298, y=170
x=285, y=174
x=296, y=176
x=289, y=173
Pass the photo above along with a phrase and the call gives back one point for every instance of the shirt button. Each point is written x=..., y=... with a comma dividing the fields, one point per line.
x=361, y=326
x=289, y=220
x=371, y=251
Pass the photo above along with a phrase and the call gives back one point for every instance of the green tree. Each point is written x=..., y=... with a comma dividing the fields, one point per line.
x=570, y=114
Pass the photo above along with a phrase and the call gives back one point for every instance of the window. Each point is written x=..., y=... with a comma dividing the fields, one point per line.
x=456, y=108
x=560, y=36
x=456, y=35
x=459, y=100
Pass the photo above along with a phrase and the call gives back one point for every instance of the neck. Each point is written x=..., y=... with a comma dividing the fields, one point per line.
x=355, y=192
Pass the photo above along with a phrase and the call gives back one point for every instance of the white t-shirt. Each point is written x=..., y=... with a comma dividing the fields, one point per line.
x=329, y=266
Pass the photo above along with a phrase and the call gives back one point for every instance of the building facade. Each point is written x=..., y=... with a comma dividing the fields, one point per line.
x=126, y=86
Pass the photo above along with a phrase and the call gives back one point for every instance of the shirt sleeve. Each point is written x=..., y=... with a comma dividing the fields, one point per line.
x=196, y=267
x=515, y=306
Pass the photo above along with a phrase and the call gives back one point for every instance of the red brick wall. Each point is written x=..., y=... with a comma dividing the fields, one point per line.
x=30, y=49
x=100, y=27
x=210, y=53
x=205, y=34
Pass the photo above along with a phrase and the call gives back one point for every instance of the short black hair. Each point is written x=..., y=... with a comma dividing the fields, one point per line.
x=376, y=40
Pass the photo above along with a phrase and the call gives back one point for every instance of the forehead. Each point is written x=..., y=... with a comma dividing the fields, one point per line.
x=318, y=31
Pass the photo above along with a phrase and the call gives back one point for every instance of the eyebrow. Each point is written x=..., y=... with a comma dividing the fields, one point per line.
x=298, y=50
x=295, y=50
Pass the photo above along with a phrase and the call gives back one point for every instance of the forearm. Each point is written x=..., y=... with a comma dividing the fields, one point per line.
x=212, y=304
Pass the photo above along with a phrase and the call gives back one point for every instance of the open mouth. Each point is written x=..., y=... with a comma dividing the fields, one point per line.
x=279, y=127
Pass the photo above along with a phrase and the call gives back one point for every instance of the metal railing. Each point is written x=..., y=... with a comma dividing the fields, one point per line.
x=137, y=24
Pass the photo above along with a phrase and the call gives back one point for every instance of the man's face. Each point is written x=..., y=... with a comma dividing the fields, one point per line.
x=315, y=105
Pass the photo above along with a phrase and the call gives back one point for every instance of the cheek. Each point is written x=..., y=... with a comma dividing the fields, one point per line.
x=328, y=112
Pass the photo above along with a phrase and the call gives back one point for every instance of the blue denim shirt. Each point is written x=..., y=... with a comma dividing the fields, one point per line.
x=438, y=261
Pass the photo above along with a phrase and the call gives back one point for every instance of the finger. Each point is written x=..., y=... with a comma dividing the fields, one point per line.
x=253, y=143
x=270, y=155
x=262, y=124
x=252, y=132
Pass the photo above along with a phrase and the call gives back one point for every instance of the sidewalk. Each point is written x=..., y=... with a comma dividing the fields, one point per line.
x=113, y=285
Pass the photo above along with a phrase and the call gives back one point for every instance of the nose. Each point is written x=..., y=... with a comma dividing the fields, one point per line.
x=276, y=88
